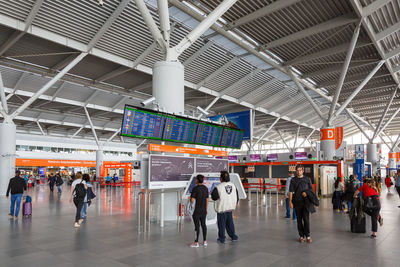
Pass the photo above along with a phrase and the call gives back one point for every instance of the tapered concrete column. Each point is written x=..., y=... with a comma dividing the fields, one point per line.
x=168, y=86
x=7, y=154
x=372, y=156
x=99, y=162
x=327, y=137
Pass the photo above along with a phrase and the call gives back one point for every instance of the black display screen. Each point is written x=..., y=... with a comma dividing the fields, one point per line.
x=232, y=138
x=142, y=123
x=180, y=130
x=209, y=134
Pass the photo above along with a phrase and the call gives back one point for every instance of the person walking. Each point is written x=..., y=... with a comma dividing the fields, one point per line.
x=78, y=193
x=59, y=183
x=370, y=193
x=299, y=186
x=89, y=196
x=338, y=189
x=226, y=198
x=51, y=181
x=349, y=190
x=288, y=209
x=388, y=182
x=17, y=186
x=200, y=196
x=397, y=183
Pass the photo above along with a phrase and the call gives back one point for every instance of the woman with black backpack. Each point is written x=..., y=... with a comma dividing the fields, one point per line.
x=372, y=204
x=338, y=194
x=78, y=192
x=349, y=190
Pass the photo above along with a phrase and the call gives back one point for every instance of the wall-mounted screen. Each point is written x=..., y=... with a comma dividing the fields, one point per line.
x=232, y=138
x=180, y=130
x=272, y=157
x=255, y=157
x=208, y=134
x=300, y=155
x=142, y=123
x=211, y=165
x=232, y=158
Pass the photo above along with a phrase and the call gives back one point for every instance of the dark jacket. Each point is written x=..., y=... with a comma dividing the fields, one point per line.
x=311, y=200
x=59, y=180
x=17, y=185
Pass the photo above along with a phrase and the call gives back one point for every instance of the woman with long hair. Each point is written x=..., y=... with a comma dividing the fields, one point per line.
x=338, y=188
x=370, y=193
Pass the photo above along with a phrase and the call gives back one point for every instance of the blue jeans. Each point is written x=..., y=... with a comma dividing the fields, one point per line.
x=83, y=211
x=15, y=198
x=59, y=188
x=288, y=210
x=339, y=195
x=225, y=221
x=349, y=205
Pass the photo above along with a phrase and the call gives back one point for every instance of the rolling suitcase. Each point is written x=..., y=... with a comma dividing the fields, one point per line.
x=27, y=207
x=358, y=226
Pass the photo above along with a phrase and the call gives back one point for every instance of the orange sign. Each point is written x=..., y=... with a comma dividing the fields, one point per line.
x=327, y=134
x=338, y=137
x=117, y=165
x=56, y=163
x=186, y=150
x=392, y=155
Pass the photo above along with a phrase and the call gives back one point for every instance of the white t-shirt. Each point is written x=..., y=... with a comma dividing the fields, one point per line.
x=78, y=181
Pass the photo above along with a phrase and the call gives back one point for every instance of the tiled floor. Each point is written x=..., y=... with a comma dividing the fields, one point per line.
x=110, y=237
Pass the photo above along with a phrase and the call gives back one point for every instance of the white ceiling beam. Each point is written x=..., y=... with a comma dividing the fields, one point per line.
x=262, y=12
x=260, y=89
x=92, y=127
x=352, y=79
x=163, y=14
x=322, y=27
x=17, y=34
x=386, y=32
x=336, y=68
x=141, y=87
x=3, y=96
x=344, y=72
x=327, y=52
x=392, y=53
x=266, y=132
x=374, y=6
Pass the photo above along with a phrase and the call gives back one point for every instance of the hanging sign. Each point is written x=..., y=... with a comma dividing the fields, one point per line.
x=338, y=137
x=359, y=162
x=327, y=134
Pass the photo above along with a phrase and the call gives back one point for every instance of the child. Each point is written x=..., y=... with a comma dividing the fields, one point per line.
x=200, y=194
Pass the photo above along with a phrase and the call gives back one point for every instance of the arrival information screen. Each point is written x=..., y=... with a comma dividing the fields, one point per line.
x=140, y=123
x=180, y=130
x=208, y=134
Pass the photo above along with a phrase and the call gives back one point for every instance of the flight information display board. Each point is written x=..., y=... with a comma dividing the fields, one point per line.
x=208, y=134
x=142, y=123
x=180, y=130
x=232, y=138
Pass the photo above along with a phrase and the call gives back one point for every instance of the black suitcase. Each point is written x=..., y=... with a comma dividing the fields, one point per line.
x=358, y=227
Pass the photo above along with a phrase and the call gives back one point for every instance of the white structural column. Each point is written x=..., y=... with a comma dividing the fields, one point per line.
x=168, y=86
x=7, y=153
x=344, y=71
x=3, y=96
x=372, y=156
x=99, y=161
x=327, y=136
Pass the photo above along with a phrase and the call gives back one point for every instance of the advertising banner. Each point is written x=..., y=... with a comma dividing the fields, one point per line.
x=239, y=120
x=359, y=162
x=338, y=137
x=211, y=165
x=255, y=157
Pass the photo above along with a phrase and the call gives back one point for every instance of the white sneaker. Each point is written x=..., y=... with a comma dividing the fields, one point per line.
x=76, y=225
x=194, y=245
x=205, y=244
x=80, y=221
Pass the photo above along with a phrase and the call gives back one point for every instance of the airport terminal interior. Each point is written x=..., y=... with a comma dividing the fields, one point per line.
x=127, y=124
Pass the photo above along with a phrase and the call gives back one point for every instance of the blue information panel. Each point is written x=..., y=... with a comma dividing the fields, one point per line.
x=208, y=134
x=359, y=165
x=143, y=124
x=180, y=130
x=232, y=138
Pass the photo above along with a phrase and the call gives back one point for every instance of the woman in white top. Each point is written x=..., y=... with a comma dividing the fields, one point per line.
x=338, y=189
x=78, y=192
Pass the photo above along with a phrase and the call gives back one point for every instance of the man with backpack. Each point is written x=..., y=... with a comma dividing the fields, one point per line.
x=17, y=186
x=78, y=193
x=59, y=182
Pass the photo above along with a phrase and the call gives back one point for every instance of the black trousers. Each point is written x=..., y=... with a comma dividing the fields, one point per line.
x=398, y=189
x=51, y=187
x=200, y=219
x=374, y=218
x=303, y=218
x=78, y=204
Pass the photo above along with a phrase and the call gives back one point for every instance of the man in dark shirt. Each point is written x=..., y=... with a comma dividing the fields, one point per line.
x=200, y=195
x=17, y=186
x=297, y=199
x=52, y=181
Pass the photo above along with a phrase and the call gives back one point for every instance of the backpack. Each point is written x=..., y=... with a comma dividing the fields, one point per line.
x=80, y=191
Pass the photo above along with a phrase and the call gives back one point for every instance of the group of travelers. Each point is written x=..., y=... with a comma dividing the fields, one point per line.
x=81, y=193
x=225, y=197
